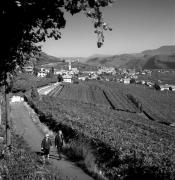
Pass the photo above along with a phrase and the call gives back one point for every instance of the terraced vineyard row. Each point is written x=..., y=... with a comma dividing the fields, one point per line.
x=81, y=93
x=157, y=104
x=55, y=92
x=117, y=100
x=95, y=95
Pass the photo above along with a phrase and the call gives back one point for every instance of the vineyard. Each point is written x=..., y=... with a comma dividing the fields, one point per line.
x=94, y=95
x=160, y=106
x=85, y=109
x=157, y=105
x=117, y=99
x=123, y=131
x=82, y=93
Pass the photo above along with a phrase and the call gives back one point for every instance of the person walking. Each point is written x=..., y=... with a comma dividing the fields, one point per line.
x=59, y=140
x=45, y=147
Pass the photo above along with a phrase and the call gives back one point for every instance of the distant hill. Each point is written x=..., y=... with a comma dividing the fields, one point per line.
x=160, y=62
x=48, y=61
x=163, y=50
x=44, y=58
x=80, y=59
x=161, y=58
x=116, y=60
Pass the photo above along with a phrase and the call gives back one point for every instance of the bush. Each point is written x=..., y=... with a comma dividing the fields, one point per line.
x=136, y=102
x=22, y=83
x=34, y=94
x=156, y=86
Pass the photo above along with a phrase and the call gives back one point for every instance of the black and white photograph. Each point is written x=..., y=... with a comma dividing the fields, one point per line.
x=87, y=90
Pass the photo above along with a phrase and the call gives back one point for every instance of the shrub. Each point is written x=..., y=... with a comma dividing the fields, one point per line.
x=34, y=94
x=136, y=102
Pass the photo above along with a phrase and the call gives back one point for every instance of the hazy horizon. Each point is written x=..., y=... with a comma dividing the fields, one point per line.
x=137, y=25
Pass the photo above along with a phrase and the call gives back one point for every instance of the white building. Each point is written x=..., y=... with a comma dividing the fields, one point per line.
x=43, y=72
x=82, y=78
x=75, y=70
x=126, y=81
x=61, y=72
x=67, y=78
x=70, y=66
x=109, y=70
x=167, y=87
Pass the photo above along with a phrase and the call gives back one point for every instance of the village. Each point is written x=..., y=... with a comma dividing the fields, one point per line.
x=71, y=74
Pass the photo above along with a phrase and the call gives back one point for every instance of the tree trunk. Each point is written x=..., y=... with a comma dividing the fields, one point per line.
x=0, y=113
x=7, y=115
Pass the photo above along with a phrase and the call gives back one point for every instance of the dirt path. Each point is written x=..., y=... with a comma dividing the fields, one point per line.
x=25, y=127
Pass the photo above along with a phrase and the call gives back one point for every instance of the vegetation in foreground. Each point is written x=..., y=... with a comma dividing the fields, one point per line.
x=22, y=163
x=122, y=145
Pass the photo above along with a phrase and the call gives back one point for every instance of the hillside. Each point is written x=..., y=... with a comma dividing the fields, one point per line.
x=163, y=50
x=44, y=58
x=116, y=60
x=161, y=58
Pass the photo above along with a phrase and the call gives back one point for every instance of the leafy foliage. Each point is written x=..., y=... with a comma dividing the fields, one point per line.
x=60, y=78
x=34, y=94
x=22, y=82
x=26, y=23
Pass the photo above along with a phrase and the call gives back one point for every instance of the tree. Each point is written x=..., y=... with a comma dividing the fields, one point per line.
x=22, y=82
x=60, y=78
x=156, y=86
x=35, y=71
x=50, y=73
x=34, y=93
x=26, y=23
x=132, y=81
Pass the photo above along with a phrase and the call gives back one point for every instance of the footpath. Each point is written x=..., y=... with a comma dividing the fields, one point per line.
x=24, y=125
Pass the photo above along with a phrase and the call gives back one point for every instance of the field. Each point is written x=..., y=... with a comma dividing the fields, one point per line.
x=122, y=129
x=160, y=106
x=94, y=95
x=157, y=105
x=82, y=93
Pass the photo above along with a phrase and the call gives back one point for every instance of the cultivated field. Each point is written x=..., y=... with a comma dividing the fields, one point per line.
x=151, y=141
x=95, y=95
x=120, y=126
x=160, y=106
x=82, y=93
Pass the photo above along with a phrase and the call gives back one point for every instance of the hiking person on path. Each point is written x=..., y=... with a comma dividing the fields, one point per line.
x=59, y=139
x=45, y=147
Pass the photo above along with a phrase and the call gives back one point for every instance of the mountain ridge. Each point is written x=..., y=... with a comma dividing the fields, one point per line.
x=160, y=58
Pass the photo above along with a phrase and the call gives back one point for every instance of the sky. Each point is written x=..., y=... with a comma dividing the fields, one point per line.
x=137, y=25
